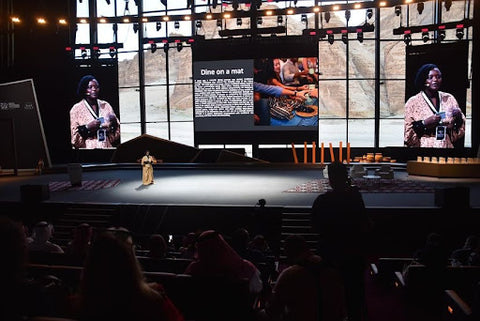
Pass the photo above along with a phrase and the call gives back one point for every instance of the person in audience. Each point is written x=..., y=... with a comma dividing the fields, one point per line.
x=93, y=123
x=187, y=249
x=433, y=254
x=340, y=218
x=157, y=246
x=474, y=258
x=40, y=239
x=12, y=269
x=113, y=288
x=461, y=256
x=216, y=258
x=308, y=289
x=433, y=118
x=78, y=247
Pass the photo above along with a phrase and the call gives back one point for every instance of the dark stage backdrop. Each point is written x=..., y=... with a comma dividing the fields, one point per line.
x=22, y=137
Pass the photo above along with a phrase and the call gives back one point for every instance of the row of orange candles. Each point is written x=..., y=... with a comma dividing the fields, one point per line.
x=322, y=152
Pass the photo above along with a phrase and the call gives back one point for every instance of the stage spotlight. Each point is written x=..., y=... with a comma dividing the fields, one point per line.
x=95, y=52
x=135, y=27
x=239, y=22
x=360, y=35
x=164, y=2
x=345, y=36
x=259, y=20
x=425, y=35
x=219, y=23
x=398, y=10
x=176, y=24
x=108, y=1
x=448, y=4
x=158, y=26
x=327, y=16
x=348, y=14
x=198, y=24
x=153, y=46
x=83, y=52
x=166, y=46
x=407, y=37
x=112, y=51
x=330, y=37
x=304, y=18
x=460, y=32
x=179, y=46
x=420, y=7
x=441, y=35
x=279, y=20
x=369, y=13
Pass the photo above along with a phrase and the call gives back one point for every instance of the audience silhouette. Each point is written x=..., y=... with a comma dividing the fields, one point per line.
x=462, y=255
x=113, y=288
x=216, y=258
x=12, y=269
x=307, y=290
x=339, y=217
x=40, y=239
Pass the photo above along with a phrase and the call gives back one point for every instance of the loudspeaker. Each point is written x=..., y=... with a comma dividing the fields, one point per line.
x=454, y=197
x=34, y=193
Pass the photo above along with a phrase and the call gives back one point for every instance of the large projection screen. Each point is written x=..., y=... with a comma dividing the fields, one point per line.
x=225, y=76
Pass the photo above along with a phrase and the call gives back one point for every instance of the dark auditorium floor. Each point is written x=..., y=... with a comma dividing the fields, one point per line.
x=236, y=186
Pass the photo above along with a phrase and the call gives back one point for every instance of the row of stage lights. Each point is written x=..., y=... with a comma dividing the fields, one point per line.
x=326, y=9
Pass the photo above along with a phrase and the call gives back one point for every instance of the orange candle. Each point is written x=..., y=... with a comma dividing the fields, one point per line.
x=295, y=158
x=322, y=153
x=340, y=158
x=332, y=156
x=305, y=152
x=314, y=152
x=348, y=153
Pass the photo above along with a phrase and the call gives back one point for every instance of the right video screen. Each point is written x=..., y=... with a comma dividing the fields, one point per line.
x=435, y=95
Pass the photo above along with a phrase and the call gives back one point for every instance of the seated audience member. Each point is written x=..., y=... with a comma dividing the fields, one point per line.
x=433, y=254
x=77, y=248
x=239, y=242
x=216, y=258
x=12, y=269
x=460, y=256
x=307, y=289
x=40, y=239
x=474, y=258
x=113, y=288
x=187, y=249
x=158, y=247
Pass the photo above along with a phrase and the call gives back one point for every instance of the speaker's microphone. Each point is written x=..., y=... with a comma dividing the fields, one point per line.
x=426, y=85
x=88, y=94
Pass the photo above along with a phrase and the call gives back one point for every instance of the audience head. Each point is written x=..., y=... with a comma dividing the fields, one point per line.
x=338, y=175
x=42, y=232
x=296, y=248
x=112, y=274
x=157, y=246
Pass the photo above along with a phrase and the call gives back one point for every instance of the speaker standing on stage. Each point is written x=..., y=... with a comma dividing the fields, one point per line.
x=147, y=168
x=93, y=123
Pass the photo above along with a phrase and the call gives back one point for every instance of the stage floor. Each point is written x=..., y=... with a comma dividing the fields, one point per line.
x=219, y=185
